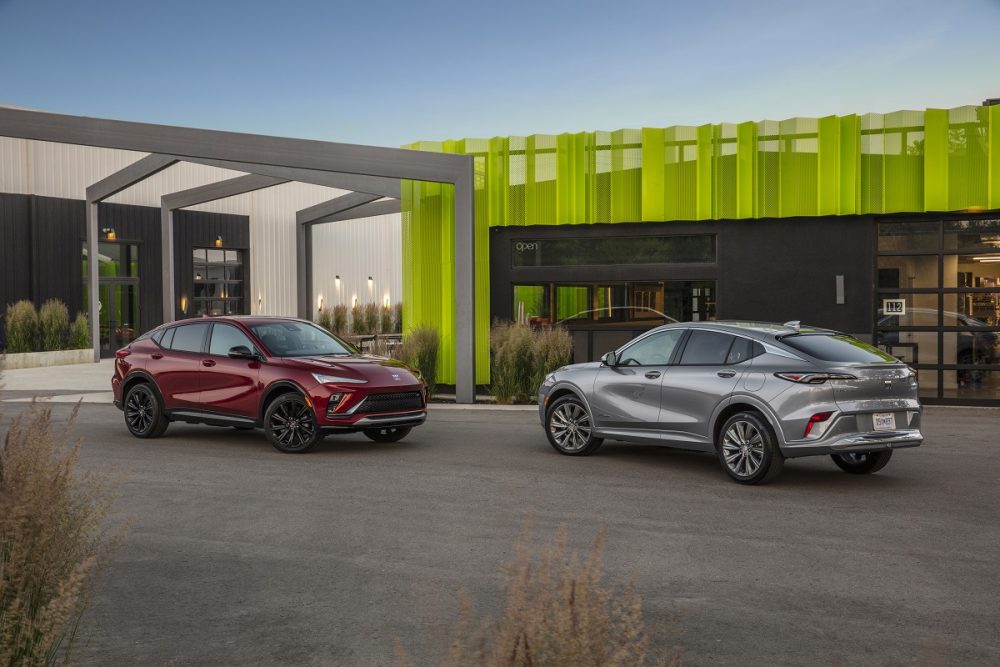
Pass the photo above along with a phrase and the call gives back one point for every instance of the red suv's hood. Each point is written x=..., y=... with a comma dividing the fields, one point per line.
x=378, y=371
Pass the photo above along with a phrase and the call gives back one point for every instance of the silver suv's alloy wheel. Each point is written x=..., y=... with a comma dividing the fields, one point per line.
x=570, y=426
x=743, y=448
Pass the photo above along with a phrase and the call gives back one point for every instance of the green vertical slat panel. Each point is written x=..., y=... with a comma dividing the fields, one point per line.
x=571, y=181
x=580, y=166
x=498, y=180
x=850, y=165
x=703, y=178
x=530, y=183
x=618, y=195
x=746, y=168
x=993, y=147
x=674, y=197
x=652, y=174
x=828, y=168
x=936, y=160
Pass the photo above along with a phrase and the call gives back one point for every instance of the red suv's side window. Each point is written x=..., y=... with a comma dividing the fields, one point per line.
x=189, y=338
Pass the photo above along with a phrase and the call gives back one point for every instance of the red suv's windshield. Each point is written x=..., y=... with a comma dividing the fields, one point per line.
x=298, y=339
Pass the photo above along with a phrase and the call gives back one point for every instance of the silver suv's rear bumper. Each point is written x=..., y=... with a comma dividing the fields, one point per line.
x=872, y=441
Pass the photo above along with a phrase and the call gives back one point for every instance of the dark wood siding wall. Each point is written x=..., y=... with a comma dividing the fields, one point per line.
x=196, y=229
x=15, y=253
x=778, y=270
x=769, y=270
x=41, y=241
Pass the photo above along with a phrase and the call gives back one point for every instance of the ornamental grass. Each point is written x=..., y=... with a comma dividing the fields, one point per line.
x=53, y=539
x=557, y=612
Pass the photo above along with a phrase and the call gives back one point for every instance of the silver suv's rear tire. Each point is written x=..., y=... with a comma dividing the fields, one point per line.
x=570, y=428
x=748, y=450
x=862, y=463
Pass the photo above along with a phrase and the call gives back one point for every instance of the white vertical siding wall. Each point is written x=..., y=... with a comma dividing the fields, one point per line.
x=354, y=249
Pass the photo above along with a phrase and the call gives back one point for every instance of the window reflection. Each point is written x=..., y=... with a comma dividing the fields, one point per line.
x=217, y=282
x=646, y=303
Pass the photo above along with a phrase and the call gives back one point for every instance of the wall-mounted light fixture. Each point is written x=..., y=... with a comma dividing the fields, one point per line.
x=184, y=305
x=355, y=300
x=336, y=281
x=260, y=301
x=197, y=276
x=218, y=241
x=319, y=303
x=109, y=233
x=371, y=283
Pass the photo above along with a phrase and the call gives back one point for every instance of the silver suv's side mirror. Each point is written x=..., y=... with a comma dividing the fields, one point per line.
x=610, y=359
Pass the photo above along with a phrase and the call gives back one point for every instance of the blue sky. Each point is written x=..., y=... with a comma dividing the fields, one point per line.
x=389, y=73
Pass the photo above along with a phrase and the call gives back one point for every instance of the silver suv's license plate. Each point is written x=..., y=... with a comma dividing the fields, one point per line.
x=884, y=421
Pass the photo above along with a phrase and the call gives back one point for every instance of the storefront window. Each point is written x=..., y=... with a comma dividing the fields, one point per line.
x=908, y=236
x=642, y=303
x=908, y=272
x=960, y=234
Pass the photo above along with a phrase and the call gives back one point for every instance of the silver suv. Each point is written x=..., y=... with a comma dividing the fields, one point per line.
x=754, y=393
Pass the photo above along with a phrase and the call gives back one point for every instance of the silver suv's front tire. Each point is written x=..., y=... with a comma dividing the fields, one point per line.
x=748, y=450
x=570, y=427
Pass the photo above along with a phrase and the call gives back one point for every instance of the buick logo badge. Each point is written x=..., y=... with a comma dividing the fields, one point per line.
x=395, y=376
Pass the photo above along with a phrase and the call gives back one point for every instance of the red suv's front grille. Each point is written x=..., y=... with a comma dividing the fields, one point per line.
x=392, y=402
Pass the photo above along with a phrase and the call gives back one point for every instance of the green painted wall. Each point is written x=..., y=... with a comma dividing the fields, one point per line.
x=907, y=161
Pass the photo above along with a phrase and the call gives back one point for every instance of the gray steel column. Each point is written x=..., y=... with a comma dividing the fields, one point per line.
x=465, y=287
x=302, y=271
x=93, y=288
x=167, y=245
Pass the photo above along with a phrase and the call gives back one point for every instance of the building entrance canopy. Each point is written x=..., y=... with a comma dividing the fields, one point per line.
x=370, y=173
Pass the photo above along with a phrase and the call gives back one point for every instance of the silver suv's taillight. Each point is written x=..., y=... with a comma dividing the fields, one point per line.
x=813, y=378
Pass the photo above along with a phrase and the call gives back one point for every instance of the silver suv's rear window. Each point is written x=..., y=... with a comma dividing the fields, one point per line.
x=836, y=348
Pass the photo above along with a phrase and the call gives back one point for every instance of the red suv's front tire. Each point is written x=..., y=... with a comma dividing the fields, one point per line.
x=290, y=424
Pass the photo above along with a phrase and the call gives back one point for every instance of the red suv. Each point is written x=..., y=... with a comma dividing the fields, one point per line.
x=287, y=376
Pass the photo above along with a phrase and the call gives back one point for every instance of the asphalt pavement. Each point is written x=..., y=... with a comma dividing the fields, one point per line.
x=241, y=555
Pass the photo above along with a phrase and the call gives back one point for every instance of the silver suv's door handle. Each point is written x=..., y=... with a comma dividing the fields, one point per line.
x=652, y=375
x=726, y=374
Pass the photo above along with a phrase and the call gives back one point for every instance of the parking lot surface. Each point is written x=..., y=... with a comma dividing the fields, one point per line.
x=241, y=555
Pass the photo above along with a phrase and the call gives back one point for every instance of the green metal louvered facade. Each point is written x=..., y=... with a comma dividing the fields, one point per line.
x=902, y=162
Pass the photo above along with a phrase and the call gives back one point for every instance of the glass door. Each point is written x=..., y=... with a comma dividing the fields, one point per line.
x=117, y=294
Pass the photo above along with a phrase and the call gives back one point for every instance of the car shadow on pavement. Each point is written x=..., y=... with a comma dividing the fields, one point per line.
x=806, y=471
x=255, y=441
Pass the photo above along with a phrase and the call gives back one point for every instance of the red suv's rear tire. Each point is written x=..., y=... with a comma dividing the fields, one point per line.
x=143, y=411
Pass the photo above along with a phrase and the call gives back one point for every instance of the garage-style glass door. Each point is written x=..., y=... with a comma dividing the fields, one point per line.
x=937, y=305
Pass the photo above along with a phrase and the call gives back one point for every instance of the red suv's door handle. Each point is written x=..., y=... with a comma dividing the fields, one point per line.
x=156, y=355
x=207, y=362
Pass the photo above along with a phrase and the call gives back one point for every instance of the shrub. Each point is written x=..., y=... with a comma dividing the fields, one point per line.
x=553, y=348
x=521, y=357
x=371, y=313
x=397, y=318
x=79, y=332
x=53, y=319
x=512, y=362
x=420, y=350
x=339, y=319
x=557, y=611
x=385, y=319
x=22, y=327
x=325, y=319
x=53, y=540
x=358, y=320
